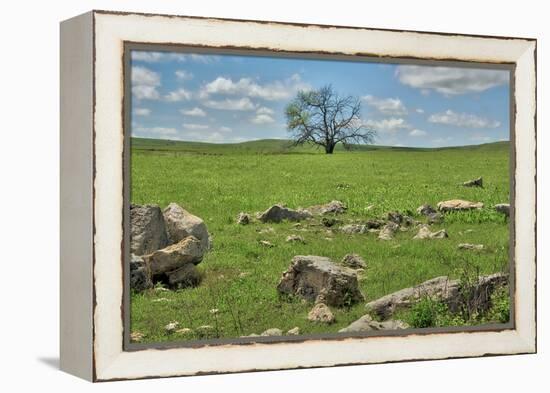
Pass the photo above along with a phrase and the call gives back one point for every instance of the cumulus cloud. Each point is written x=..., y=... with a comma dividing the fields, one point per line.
x=387, y=106
x=178, y=95
x=183, y=75
x=154, y=132
x=390, y=125
x=225, y=129
x=262, y=119
x=157, y=57
x=417, y=132
x=242, y=104
x=272, y=91
x=193, y=126
x=142, y=111
x=145, y=83
x=196, y=112
x=450, y=81
x=265, y=111
x=467, y=120
x=419, y=110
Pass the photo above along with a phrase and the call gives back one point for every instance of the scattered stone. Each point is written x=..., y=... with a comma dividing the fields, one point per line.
x=272, y=332
x=186, y=251
x=329, y=221
x=294, y=331
x=458, y=204
x=388, y=231
x=395, y=217
x=367, y=324
x=136, y=336
x=266, y=243
x=161, y=300
x=469, y=246
x=266, y=230
x=139, y=278
x=181, y=224
x=374, y=224
x=354, y=261
x=278, y=213
x=319, y=279
x=243, y=274
x=184, y=277
x=321, y=313
x=184, y=331
x=295, y=238
x=503, y=208
x=425, y=210
x=440, y=288
x=353, y=228
x=251, y=335
x=435, y=218
x=243, y=218
x=333, y=207
x=425, y=233
x=474, y=183
x=171, y=327
x=147, y=229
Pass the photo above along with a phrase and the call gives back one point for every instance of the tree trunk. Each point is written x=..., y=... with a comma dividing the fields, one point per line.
x=329, y=149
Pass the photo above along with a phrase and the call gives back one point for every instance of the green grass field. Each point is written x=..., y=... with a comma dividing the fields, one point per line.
x=216, y=182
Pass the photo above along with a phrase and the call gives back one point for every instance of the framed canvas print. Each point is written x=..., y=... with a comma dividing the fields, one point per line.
x=246, y=195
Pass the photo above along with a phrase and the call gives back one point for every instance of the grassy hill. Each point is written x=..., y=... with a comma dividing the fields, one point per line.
x=277, y=146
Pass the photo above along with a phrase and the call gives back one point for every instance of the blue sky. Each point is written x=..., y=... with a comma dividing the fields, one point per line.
x=228, y=98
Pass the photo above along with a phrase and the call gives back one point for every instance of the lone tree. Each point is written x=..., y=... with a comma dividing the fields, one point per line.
x=325, y=119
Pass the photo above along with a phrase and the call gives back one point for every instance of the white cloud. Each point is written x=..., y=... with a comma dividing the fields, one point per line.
x=178, y=95
x=193, y=126
x=225, y=129
x=419, y=110
x=265, y=111
x=417, y=132
x=157, y=57
x=148, y=57
x=242, y=104
x=142, y=111
x=468, y=120
x=154, y=132
x=388, y=125
x=450, y=81
x=145, y=83
x=277, y=90
x=196, y=111
x=262, y=119
x=481, y=138
x=387, y=106
x=183, y=75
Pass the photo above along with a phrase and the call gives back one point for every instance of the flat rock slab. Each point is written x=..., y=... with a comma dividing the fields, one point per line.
x=333, y=207
x=320, y=280
x=181, y=224
x=367, y=324
x=458, y=204
x=279, y=213
x=147, y=229
x=440, y=288
x=187, y=251
x=469, y=246
x=425, y=233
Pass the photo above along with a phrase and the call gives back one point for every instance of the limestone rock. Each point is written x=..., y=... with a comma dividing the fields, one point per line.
x=469, y=246
x=319, y=279
x=388, y=231
x=434, y=218
x=294, y=331
x=171, y=327
x=139, y=278
x=279, y=213
x=354, y=261
x=321, y=313
x=425, y=210
x=474, y=182
x=187, y=251
x=458, y=204
x=425, y=233
x=354, y=228
x=503, y=208
x=243, y=218
x=184, y=277
x=181, y=224
x=333, y=207
x=147, y=229
x=295, y=239
x=329, y=221
x=272, y=332
x=367, y=324
x=266, y=243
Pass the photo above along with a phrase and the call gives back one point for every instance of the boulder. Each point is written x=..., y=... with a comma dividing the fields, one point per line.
x=354, y=228
x=469, y=246
x=333, y=207
x=294, y=331
x=184, y=277
x=443, y=289
x=279, y=213
x=272, y=332
x=186, y=251
x=503, y=208
x=329, y=221
x=139, y=277
x=354, y=261
x=243, y=218
x=425, y=210
x=181, y=224
x=388, y=231
x=434, y=218
x=425, y=233
x=147, y=229
x=474, y=182
x=321, y=313
x=295, y=239
x=319, y=279
x=374, y=224
x=367, y=324
x=458, y=204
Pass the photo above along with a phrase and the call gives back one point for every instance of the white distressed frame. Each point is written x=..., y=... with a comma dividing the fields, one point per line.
x=111, y=30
